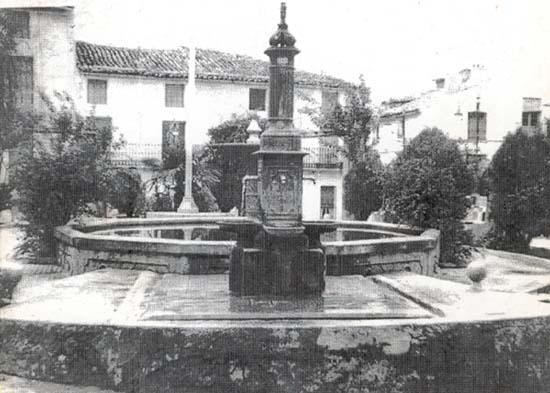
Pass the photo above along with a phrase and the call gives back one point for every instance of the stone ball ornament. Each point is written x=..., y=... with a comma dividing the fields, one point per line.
x=476, y=272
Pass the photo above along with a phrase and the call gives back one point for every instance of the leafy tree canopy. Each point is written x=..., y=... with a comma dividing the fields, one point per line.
x=520, y=183
x=363, y=186
x=427, y=187
x=66, y=168
x=353, y=121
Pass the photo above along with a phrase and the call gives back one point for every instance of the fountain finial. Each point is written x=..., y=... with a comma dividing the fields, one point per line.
x=282, y=37
x=283, y=13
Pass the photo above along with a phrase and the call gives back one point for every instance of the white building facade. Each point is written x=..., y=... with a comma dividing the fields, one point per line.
x=142, y=94
x=451, y=105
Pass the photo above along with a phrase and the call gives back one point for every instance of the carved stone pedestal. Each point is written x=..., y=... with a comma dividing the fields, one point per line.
x=279, y=264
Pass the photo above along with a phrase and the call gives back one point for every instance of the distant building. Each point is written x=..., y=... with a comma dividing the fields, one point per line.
x=141, y=93
x=451, y=105
x=45, y=52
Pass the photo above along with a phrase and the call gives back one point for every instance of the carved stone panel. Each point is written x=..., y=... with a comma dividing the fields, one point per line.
x=282, y=191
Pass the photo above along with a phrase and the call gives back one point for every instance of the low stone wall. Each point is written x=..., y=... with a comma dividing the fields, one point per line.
x=417, y=251
x=81, y=250
x=350, y=356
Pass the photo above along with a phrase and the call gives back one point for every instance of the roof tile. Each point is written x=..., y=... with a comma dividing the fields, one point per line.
x=172, y=63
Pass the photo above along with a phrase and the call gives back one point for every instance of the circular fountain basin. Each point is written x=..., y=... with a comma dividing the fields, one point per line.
x=140, y=331
x=196, y=244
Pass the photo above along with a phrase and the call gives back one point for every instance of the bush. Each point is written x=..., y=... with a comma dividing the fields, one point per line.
x=169, y=184
x=232, y=162
x=520, y=184
x=5, y=196
x=363, y=186
x=427, y=187
x=124, y=191
x=57, y=180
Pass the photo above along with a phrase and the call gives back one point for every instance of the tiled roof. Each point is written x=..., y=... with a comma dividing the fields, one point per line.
x=172, y=63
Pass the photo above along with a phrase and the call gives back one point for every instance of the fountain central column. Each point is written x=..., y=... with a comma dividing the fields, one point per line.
x=280, y=157
x=276, y=253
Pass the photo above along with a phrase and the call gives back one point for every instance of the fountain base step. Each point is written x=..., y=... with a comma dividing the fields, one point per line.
x=141, y=332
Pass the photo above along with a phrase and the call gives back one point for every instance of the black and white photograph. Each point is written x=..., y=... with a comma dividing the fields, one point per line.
x=274, y=196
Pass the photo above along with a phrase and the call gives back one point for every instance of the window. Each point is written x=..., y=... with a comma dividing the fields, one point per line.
x=174, y=95
x=97, y=91
x=23, y=81
x=477, y=121
x=17, y=75
x=530, y=119
x=328, y=194
x=100, y=123
x=18, y=23
x=256, y=99
x=173, y=143
x=329, y=99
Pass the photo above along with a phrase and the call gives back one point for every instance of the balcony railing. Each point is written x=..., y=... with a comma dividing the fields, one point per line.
x=137, y=155
x=323, y=157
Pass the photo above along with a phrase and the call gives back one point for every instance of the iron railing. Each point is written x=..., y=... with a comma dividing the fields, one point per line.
x=138, y=155
x=323, y=157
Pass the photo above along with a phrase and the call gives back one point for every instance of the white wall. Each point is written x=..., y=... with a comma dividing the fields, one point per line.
x=311, y=200
x=52, y=46
x=137, y=106
x=502, y=102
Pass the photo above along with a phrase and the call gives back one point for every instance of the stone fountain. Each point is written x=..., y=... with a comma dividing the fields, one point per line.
x=132, y=318
x=277, y=253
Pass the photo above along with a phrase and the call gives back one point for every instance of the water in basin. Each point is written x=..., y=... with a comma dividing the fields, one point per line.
x=213, y=233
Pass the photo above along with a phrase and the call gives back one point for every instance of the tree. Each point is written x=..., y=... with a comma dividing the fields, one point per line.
x=520, y=184
x=363, y=186
x=232, y=158
x=353, y=121
x=205, y=179
x=66, y=168
x=427, y=187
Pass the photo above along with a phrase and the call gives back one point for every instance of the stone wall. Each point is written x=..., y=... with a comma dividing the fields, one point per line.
x=80, y=250
x=452, y=357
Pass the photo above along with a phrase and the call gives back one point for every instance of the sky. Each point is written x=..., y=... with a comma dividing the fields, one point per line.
x=399, y=46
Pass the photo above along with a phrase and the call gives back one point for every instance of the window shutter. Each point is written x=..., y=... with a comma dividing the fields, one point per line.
x=174, y=95
x=473, y=119
x=257, y=99
x=97, y=91
x=23, y=81
x=329, y=99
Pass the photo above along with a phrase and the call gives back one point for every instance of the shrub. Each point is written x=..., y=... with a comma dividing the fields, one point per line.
x=169, y=184
x=57, y=179
x=427, y=186
x=520, y=183
x=363, y=186
x=232, y=162
x=5, y=196
x=124, y=190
